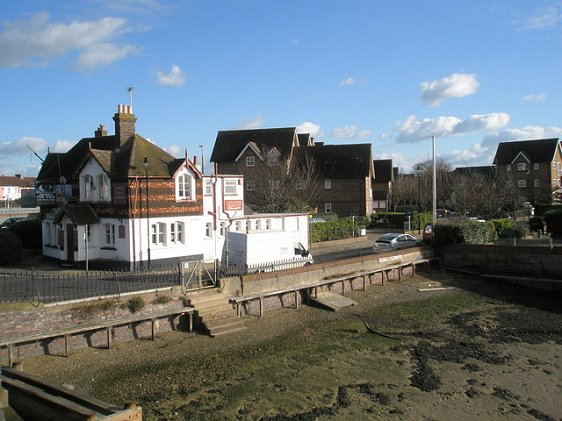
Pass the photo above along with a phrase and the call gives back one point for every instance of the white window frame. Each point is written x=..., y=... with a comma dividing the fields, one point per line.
x=109, y=234
x=230, y=187
x=521, y=166
x=522, y=183
x=327, y=183
x=536, y=166
x=103, y=187
x=184, y=187
x=158, y=234
x=250, y=161
x=177, y=233
x=250, y=185
x=327, y=207
x=537, y=183
x=208, y=187
x=209, y=230
x=238, y=225
x=89, y=187
x=268, y=224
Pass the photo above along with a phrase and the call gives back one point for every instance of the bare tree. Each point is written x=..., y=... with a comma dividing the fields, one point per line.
x=280, y=185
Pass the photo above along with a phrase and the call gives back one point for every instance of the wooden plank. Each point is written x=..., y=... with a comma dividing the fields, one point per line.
x=333, y=301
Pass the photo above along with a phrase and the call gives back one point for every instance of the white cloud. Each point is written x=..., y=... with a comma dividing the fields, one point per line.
x=62, y=146
x=468, y=156
x=308, y=127
x=174, y=78
x=23, y=145
x=534, y=97
x=478, y=122
x=349, y=132
x=350, y=81
x=255, y=122
x=524, y=133
x=175, y=150
x=456, y=85
x=544, y=18
x=412, y=130
x=34, y=42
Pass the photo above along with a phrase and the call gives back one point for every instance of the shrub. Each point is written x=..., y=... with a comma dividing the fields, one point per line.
x=161, y=299
x=388, y=220
x=504, y=227
x=10, y=248
x=335, y=230
x=464, y=231
x=135, y=304
x=553, y=220
x=29, y=233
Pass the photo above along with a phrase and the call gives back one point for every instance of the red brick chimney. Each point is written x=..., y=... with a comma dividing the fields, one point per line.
x=124, y=124
x=100, y=131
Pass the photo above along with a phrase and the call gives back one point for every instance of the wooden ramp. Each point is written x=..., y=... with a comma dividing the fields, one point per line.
x=332, y=301
x=34, y=399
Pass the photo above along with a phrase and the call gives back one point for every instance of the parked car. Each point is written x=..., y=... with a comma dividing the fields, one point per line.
x=9, y=222
x=395, y=241
x=427, y=233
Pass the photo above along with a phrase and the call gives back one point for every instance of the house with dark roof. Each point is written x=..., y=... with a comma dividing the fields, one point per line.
x=534, y=167
x=344, y=171
x=382, y=184
x=12, y=187
x=120, y=200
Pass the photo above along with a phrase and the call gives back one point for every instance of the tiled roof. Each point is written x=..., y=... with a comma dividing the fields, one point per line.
x=339, y=161
x=383, y=170
x=14, y=181
x=539, y=150
x=126, y=161
x=304, y=139
x=229, y=144
x=78, y=214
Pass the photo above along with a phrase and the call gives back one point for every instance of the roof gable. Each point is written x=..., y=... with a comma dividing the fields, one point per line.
x=539, y=150
x=383, y=170
x=339, y=161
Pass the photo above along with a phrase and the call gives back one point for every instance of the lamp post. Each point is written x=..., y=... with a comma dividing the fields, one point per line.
x=434, y=218
x=145, y=163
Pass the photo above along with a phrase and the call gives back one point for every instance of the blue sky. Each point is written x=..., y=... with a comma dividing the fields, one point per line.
x=389, y=73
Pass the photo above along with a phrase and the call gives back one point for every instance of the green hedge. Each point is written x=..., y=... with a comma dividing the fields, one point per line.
x=10, y=248
x=553, y=220
x=464, y=231
x=338, y=229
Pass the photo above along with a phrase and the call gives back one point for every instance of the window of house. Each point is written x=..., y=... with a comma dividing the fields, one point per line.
x=229, y=187
x=222, y=229
x=158, y=234
x=209, y=230
x=250, y=185
x=508, y=167
x=327, y=208
x=268, y=224
x=299, y=185
x=521, y=166
x=88, y=187
x=536, y=166
x=103, y=187
x=238, y=225
x=208, y=187
x=88, y=233
x=176, y=232
x=327, y=183
x=51, y=233
x=522, y=183
x=250, y=161
x=183, y=186
x=536, y=182
x=258, y=224
x=248, y=225
x=109, y=234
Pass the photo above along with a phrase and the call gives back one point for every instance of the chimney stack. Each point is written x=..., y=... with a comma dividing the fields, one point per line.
x=124, y=124
x=100, y=131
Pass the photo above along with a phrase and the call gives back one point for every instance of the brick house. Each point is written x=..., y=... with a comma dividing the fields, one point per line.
x=534, y=167
x=13, y=187
x=382, y=184
x=343, y=171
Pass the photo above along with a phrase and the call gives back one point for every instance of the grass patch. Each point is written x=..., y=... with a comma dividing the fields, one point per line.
x=134, y=304
x=161, y=299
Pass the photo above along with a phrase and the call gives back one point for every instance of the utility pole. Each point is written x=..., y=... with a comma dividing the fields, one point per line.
x=434, y=218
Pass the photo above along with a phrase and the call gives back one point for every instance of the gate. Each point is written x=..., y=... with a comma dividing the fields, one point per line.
x=198, y=274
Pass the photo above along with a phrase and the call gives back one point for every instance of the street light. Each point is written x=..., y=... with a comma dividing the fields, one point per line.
x=202, y=160
x=145, y=163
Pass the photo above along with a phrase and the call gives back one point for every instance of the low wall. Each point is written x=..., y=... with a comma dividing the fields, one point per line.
x=538, y=262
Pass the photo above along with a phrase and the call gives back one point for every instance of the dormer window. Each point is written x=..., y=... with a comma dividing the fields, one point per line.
x=185, y=187
x=88, y=187
x=250, y=161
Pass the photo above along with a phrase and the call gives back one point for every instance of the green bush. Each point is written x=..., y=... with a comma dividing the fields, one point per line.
x=553, y=220
x=338, y=229
x=161, y=299
x=388, y=220
x=505, y=227
x=29, y=233
x=10, y=248
x=464, y=231
x=135, y=304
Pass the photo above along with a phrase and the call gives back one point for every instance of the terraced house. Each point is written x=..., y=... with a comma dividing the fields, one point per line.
x=533, y=167
x=280, y=164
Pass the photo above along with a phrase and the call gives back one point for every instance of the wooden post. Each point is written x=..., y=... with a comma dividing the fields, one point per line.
x=66, y=345
x=364, y=282
x=10, y=355
x=108, y=332
x=152, y=329
x=261, y=306
x=296, y=299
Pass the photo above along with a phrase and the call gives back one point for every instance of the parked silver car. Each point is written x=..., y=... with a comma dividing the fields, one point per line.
x=395, y=241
